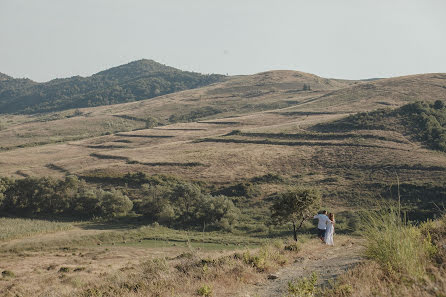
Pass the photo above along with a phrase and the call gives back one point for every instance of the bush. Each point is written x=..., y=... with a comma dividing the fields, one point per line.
x=305, y=287
x=268, y=178
x=205, y=290
x=245, y=189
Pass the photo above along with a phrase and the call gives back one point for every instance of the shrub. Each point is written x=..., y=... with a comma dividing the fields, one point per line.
x=293, y=247
x=205, y=290
x=256, y=261
x=195, y=114
x=64, y=269
x=245, y=189
x=154, y=267
x=268, y=178
x=305, y=287
x=114, y=203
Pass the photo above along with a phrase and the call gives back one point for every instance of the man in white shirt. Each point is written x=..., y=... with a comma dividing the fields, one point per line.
x=322, y=224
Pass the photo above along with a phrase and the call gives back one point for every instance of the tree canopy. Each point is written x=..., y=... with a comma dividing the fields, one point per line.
x=295, y=206
x=134, y=81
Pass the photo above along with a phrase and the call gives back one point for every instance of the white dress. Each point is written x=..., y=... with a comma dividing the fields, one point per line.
x=329, y=233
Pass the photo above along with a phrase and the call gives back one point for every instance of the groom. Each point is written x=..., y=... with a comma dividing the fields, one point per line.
x=322, y=223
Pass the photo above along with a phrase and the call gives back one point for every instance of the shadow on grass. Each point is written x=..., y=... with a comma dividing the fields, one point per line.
x=116, y=223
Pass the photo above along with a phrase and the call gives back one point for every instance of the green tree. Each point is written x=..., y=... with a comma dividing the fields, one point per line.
x=114, y=203
x=438, y=104
x=295, y=206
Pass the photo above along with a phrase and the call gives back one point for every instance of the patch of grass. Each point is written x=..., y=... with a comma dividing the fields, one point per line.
x=381, y=277
x=145, y=236
x=11, y=228
x=396, y=245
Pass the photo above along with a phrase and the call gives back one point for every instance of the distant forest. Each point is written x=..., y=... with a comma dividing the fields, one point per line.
x=135, y=81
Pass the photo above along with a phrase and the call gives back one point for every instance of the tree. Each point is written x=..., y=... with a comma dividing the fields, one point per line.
x=438, y=104
x=114, y=203
x=295, y=205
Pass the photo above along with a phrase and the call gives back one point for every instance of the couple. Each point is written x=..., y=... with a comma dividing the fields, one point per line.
x=325, y=227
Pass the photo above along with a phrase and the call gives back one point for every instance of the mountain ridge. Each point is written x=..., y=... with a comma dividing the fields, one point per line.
x=134, y=81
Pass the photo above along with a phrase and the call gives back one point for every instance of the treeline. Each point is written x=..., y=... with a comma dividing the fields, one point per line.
x=163, y=199
x=68, y=197
x=175, y=202
x=131, y=82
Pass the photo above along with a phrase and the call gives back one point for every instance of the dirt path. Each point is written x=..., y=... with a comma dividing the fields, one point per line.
x=328, y=262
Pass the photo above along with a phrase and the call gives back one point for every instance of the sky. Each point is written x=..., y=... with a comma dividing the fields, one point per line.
x=350, y=39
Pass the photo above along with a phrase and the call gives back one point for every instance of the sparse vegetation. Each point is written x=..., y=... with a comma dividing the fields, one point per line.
x=306, y=287
x=396, y=245
x=405, y=260
x=195, y=114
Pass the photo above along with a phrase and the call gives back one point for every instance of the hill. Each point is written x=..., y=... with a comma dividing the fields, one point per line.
x=419, y=121
x=134, y=81
x=389, y=92
x=244, y=128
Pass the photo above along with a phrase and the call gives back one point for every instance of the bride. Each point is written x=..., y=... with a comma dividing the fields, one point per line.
x=330, y=230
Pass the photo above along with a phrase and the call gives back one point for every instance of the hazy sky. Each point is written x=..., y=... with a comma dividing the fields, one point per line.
x=46, y=39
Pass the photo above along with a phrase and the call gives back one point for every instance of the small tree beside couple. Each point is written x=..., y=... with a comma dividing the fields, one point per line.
x=299, y=204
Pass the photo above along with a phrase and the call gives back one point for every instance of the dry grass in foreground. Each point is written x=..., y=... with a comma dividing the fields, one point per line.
x=411, y=263
x=192, y=272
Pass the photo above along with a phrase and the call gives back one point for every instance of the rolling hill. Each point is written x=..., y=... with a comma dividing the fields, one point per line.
x=242, y=128
x=134, y=81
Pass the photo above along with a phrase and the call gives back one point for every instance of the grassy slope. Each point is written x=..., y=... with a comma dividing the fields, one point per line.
x=351, y=166
x=239, y=95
